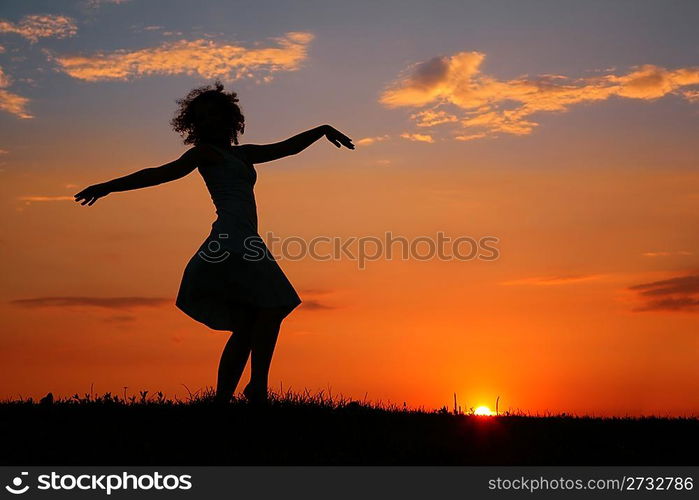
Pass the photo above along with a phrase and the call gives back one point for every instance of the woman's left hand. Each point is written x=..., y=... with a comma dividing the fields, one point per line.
x=91, y=194
x=338, y=138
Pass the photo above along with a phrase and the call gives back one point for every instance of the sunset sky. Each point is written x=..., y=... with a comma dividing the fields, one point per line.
x=567, y=130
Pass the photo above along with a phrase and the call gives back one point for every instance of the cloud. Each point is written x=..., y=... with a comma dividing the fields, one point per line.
x=118, y=303
x=45, y=198
x=204, y=58
x=12, y=103
x=150, y=27
x=366, y=141
x=417, y=137
x=315, y=305
x=667, y=254
x=470, y=137
x=35, y=27
x=430, y=118
x=686, y=304
x=553, y=280
x=4, y=79
x=487, y=106
x=317, y=291
x=674, y=294
x=98, y=3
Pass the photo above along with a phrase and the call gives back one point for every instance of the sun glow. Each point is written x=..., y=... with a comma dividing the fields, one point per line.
x=483, y=411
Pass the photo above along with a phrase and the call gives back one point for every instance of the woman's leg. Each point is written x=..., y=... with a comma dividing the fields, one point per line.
x=234, y=358
x=265, y=330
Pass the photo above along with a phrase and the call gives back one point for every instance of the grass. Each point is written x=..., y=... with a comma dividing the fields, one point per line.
x=322, y=429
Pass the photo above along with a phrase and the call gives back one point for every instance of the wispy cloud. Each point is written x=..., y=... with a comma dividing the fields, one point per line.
x=152, y=27
x=674, y=294
x=366, y=141
x=417, y=137
x=119, y=303
x=314, y=303
x=10, y=102
x=45, y=198
x=35, y=27
x=430, y=118
x=98, y=3
x=553, y=280
x=470, y=137
x=488, y=106
x=204, y=58
x=683, y=253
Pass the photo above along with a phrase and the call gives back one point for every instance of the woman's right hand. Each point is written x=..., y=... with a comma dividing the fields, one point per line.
x=338, y=138
x=91, y=194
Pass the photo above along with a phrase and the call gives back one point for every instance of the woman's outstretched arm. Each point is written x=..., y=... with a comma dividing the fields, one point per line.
x=260, y=153
x=143, y=178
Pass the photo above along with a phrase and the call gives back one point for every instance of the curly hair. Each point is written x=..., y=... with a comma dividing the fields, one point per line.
x=208, y=114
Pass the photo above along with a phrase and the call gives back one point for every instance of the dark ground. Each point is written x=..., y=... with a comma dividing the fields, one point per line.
x=303, y=431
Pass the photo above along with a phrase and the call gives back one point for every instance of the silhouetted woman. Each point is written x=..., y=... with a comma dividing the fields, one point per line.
x=232, y=283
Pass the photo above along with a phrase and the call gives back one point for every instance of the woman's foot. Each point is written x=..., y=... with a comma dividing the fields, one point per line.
x=255, y=396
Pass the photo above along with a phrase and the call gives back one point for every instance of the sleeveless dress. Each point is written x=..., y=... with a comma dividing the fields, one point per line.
x=233, y=270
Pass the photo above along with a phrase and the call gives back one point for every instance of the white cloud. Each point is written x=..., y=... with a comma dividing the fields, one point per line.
x=366, y=141
x=34, y=27
x=204, y=58
x=30, y=199
x=488, y=106
x=10, y=102
x=417, y=137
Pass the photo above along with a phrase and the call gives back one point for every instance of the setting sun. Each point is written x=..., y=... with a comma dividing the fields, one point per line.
x=483, y=411
x=511, y=188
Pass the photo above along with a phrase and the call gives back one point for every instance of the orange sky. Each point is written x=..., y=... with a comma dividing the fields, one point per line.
x=588, y=177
